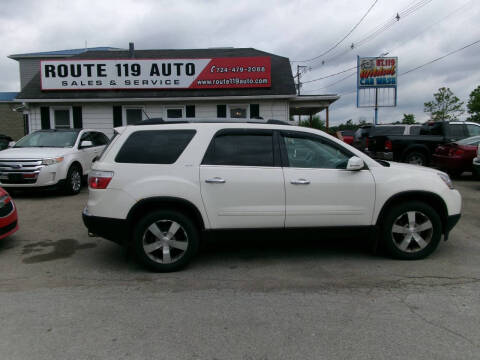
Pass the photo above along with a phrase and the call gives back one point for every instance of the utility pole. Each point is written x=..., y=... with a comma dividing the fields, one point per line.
x=300, y=70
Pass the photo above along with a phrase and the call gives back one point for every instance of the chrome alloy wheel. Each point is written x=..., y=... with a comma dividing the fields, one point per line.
x=76, y=180
x=412, y=231
x=415, y=160
x=165, y=241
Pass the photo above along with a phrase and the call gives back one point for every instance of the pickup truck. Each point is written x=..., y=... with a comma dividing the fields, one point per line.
x=418, y=149
x=51, y=158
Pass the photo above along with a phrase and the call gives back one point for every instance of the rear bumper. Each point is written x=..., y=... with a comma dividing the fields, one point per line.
x=449, y=163
x=116, y=230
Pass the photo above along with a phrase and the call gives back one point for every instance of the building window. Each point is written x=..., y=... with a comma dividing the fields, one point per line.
x=190, y=111
x=61, y=118
x=174, y=112
x=221, y=111
x=133, y=115
x=238, y=111
x=254, y=111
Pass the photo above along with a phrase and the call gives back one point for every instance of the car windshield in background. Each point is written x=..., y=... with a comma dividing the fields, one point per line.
x=474, y=140
x=57, y=139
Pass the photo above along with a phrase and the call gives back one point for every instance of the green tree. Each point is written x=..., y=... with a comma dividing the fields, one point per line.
x=473, y=105
x=445, y=106
x=317, y=123
x=408, y=119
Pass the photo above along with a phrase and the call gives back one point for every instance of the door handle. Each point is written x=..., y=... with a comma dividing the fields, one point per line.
x=300, y=182
x=215, y=180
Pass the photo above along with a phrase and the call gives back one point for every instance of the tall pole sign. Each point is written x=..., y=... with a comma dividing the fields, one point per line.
x=377, y=82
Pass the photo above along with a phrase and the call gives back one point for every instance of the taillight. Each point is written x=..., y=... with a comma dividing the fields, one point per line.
x=388, y=145
x=456, y=152
x=367, y=142
x=99, y=179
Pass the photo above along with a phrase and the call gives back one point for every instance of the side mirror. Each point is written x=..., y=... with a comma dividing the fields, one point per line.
x=85, y=144
x=355, y=164
x=11, y=144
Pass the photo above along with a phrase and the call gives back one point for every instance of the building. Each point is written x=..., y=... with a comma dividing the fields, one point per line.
x=102, y=88
x=11, y=121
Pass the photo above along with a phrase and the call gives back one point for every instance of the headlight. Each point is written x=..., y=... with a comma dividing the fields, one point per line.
x=52, y=161
x=446, y=180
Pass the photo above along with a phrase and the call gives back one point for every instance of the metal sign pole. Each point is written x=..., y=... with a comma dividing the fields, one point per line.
x=376, y=106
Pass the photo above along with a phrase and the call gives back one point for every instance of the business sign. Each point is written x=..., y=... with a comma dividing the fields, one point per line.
x=377, y=72
x=98, y=74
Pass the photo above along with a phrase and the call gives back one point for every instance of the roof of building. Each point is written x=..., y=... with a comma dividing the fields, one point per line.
x=281, y=76
x=8, y=96
x=60, y=53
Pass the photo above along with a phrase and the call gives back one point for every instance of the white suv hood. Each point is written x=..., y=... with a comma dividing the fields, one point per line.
x=33, y=153
x=411, y=167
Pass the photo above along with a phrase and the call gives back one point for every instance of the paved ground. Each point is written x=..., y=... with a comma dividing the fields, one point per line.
x=66, y=296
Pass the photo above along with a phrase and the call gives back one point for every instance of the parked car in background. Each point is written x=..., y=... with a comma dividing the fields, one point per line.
x=5, y=141
x=158, y=187
x=457, y=157
x=8, y=215
x=348, y=136
x=364, y=137
x=51, y=158
x=476, y=163
x=418, y=149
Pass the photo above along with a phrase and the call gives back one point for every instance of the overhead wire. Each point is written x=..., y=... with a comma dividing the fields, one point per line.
x=342, y=39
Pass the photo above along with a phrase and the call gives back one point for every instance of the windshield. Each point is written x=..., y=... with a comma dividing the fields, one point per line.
x=58, y=139
x=474, y=140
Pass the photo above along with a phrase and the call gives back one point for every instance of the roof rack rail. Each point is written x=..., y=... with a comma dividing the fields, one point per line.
x=158, y=121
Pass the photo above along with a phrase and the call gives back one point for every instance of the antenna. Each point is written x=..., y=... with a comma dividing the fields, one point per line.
x=148, y=117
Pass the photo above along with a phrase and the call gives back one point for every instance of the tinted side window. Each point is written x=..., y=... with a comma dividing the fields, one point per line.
x=154, y=146
x=99, y=139
x=473, y=130
x=240, y=150
x=457, y=131
x=314, y=153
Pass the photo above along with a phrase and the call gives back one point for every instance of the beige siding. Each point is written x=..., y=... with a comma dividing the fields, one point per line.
x=99, y=117
x=11, y=122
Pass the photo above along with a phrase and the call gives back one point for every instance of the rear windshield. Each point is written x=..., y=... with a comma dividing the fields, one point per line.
x=154, y=146
x=57, y=139
x=387, y=130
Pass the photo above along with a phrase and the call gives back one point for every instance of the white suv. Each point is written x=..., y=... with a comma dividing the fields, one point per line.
x=51, y=158
x=158, y=187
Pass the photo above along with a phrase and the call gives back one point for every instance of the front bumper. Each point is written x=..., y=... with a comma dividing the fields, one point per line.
x=452, y=220
x=116, y=230
x=476, y=166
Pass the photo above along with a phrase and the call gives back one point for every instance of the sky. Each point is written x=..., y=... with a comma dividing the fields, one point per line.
x=299, y=30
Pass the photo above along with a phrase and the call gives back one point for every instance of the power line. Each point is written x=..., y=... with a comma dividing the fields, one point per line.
x=340, y=41
x=440, y=58
x=381, y=28
x=328, y=76
x=416, y=35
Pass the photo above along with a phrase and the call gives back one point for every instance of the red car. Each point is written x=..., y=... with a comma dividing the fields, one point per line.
x=347, y=136
x=8, y=215
x=456, y=157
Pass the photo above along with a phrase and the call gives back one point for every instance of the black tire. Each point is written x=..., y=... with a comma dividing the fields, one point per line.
x=187, y=235
x=416, y=158
x=394, y=241
x=73, y=182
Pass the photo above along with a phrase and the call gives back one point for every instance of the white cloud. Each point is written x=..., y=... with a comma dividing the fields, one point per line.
x=296, y=29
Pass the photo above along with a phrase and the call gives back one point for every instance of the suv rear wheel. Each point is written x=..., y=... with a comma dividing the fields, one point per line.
x=165, y=240
x=411, y=231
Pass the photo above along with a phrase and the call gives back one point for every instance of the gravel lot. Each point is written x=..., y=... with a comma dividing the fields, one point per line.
x=64, y=295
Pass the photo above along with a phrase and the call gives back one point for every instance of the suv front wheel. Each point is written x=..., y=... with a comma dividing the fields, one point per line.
x=165, y=240
x=411, y=230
